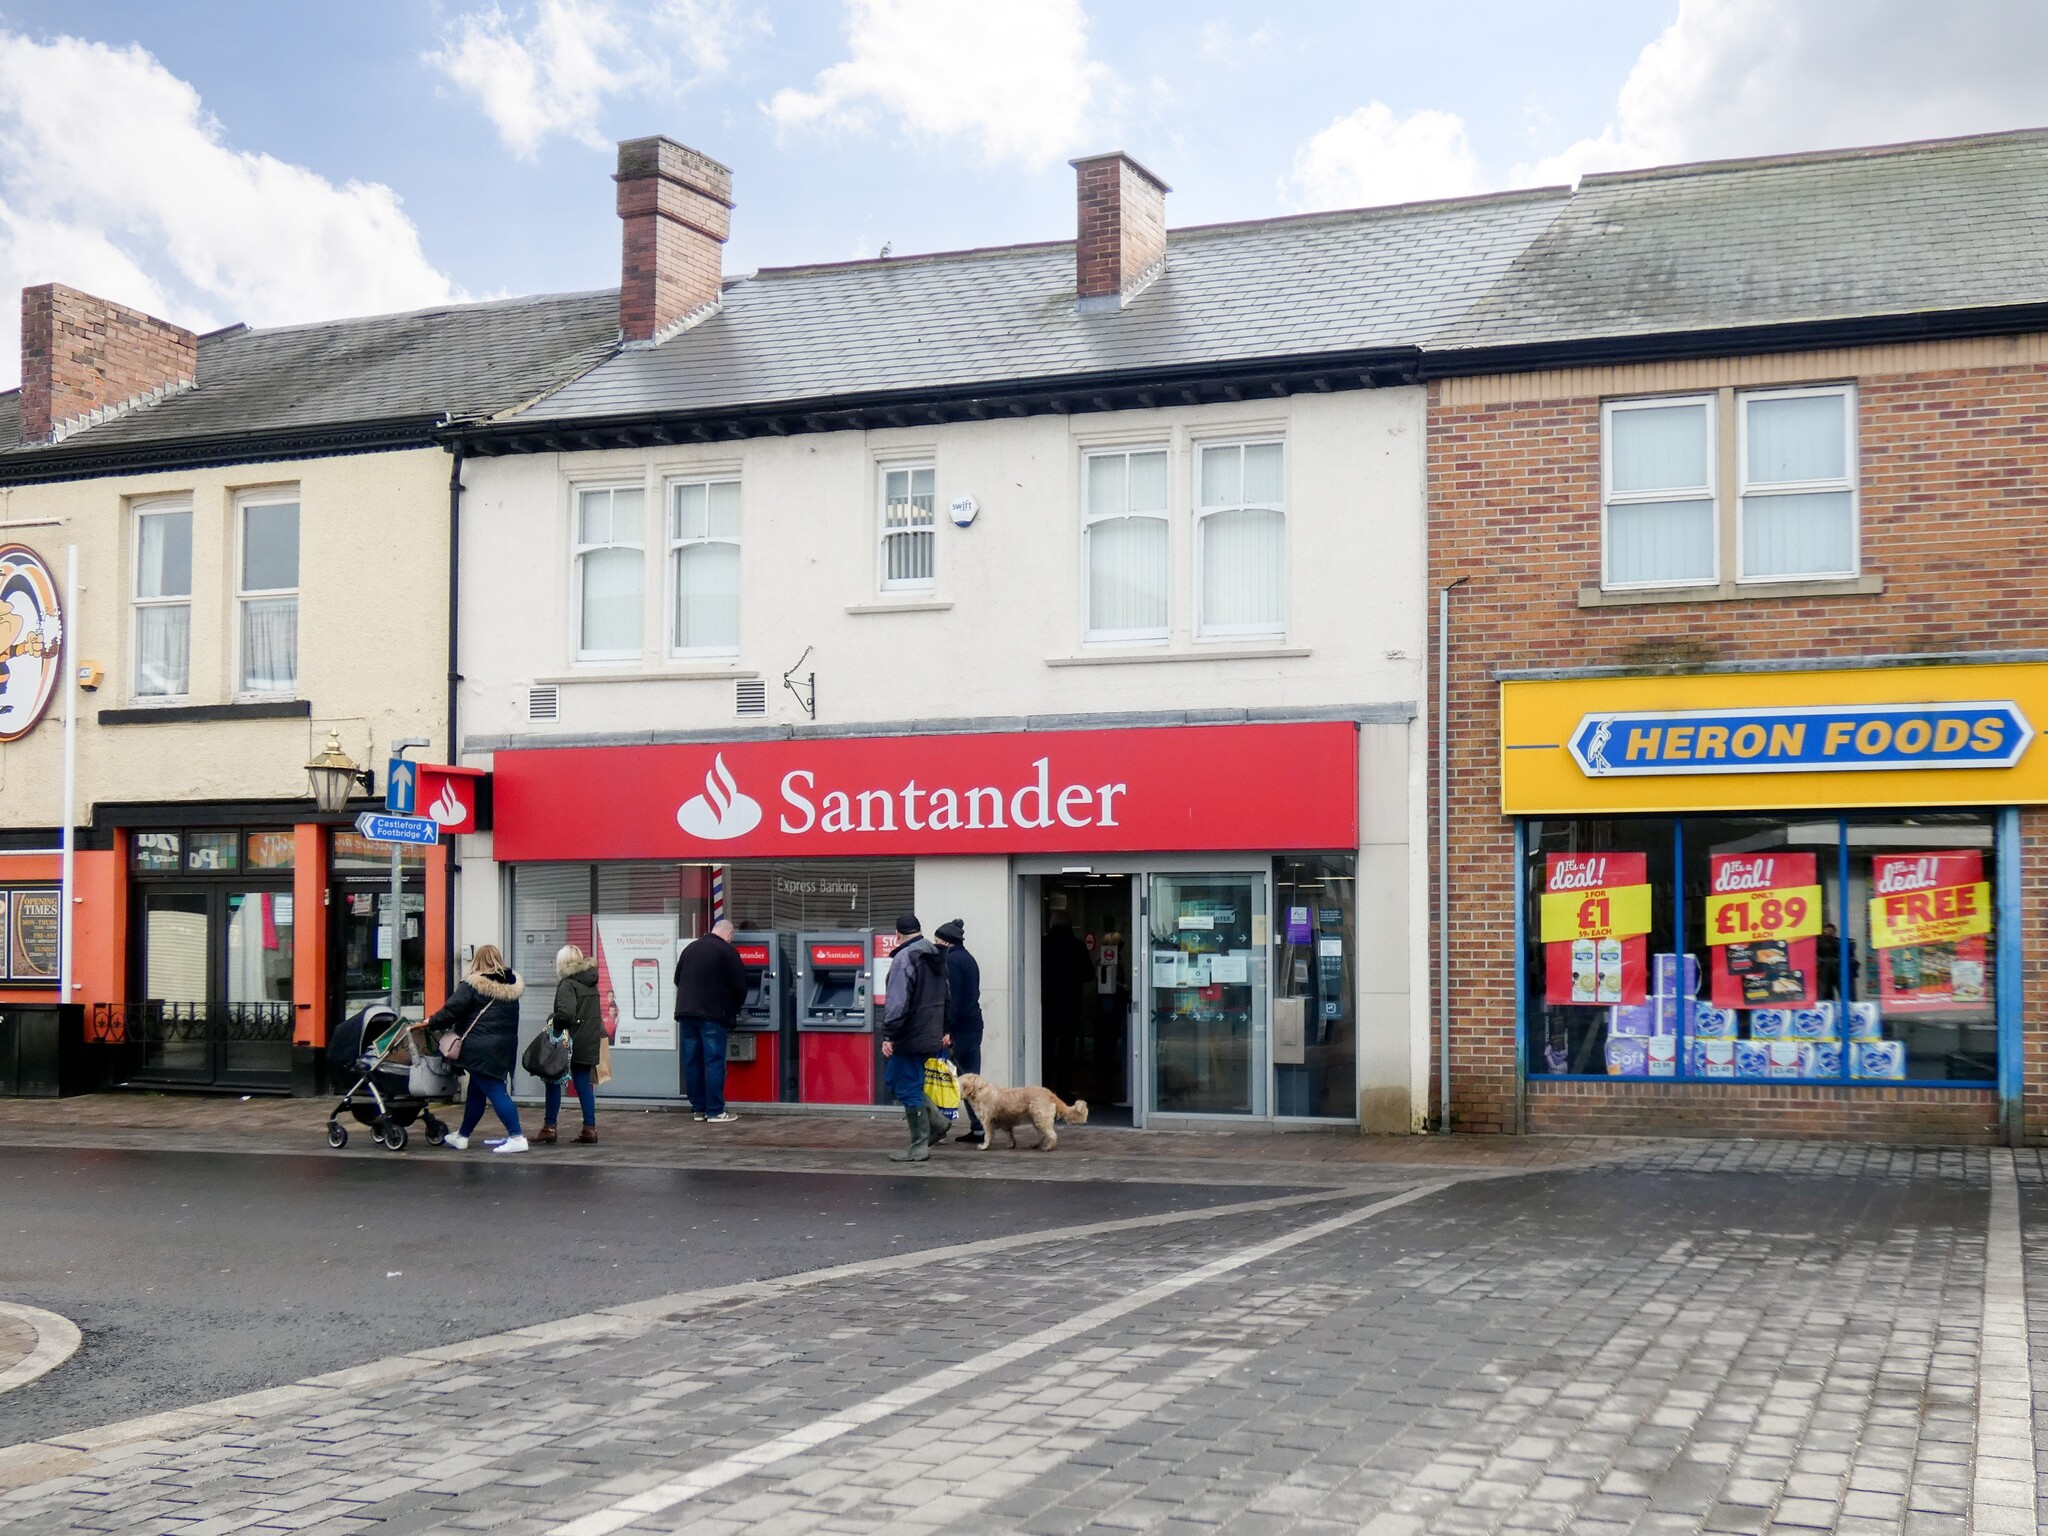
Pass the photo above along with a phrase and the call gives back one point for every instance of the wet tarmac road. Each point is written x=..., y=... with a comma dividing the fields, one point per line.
x=197, y=1275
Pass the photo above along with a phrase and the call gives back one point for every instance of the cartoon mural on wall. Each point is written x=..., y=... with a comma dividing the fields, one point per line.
x=31, y=639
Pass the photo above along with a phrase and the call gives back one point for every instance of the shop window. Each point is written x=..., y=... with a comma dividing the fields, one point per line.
x=163, y=600
x=1812, y=948
x=1124, y=535
x=277, y=849
x=1659, y=473
x=269, y=595
x=704, y=567
x=610, y=572
x=909, y=527
x=212, y=853
x=1241, y=540
x=1798, y=494
x=352, y=851
x=156, y=853
x=1314, y=1029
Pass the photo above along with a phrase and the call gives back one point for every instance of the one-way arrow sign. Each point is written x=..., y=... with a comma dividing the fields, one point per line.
x=399, y=788
x=398, y=829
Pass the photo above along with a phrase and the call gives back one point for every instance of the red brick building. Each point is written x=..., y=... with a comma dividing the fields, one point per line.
x=1739, y=475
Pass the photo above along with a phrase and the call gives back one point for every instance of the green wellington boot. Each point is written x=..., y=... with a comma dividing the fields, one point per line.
x=920, y=1138
x=941, y=1127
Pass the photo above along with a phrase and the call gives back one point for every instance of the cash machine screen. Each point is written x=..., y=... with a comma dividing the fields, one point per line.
x=835, y=977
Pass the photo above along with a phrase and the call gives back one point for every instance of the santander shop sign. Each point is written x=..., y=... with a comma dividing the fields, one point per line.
x=1243, y=788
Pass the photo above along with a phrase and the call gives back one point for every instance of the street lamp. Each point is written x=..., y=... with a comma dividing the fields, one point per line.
x=334, y=774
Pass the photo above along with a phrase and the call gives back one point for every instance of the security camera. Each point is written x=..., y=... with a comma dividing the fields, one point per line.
x=90, y=675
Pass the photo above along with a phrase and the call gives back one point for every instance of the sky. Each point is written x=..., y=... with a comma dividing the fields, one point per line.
x=220, y=160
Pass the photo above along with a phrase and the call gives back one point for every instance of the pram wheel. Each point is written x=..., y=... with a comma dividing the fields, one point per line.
x=437, y=1131
x=337, y=1134
x=395, y=1137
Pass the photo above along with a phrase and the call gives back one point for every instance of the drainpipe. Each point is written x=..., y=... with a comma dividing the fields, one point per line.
x=1443, y=850
x=452, y=970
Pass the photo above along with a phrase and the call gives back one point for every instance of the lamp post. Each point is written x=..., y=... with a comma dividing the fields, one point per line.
x=334, y=775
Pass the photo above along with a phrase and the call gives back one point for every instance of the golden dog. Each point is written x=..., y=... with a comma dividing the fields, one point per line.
x=1004, y=1109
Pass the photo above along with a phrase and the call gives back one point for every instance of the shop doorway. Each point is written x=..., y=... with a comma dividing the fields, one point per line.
x=1085, y=980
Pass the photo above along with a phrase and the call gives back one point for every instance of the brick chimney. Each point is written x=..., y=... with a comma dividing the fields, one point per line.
x=80, y=355
x=677, y=209
x=1120, y=229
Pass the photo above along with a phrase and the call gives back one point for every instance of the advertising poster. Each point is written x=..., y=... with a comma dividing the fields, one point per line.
x=1594, y=927
x=32, y=938
x=1763, y=916
x=1930, y=917
x=636, y=981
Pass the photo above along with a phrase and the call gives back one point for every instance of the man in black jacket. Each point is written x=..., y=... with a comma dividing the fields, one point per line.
x=963, y=1006
x=913, y=1028
x=711, y=983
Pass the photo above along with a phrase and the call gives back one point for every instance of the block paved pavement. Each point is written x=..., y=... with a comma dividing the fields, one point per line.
x=1708, y=1337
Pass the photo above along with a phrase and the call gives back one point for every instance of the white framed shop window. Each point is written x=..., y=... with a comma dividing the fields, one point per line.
x=162, y=602
x=608, y=570
x=1659, y=526
x=1797, y=508
x=909, y=526
x=267, y=592
x=1240, y=539
x=704, y=567
x=1126, y=544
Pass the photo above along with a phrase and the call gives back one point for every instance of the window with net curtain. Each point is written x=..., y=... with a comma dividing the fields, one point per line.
x=909, y=527
x=1124, y=530
x=163, y=601
x=1662, y=529
x=611, y=564
x=1241, y=539
x=1798, y=484
x=270, y=596
x=704, y=566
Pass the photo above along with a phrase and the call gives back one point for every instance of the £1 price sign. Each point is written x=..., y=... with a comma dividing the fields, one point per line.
x=1762, y=917
x=1595, y=912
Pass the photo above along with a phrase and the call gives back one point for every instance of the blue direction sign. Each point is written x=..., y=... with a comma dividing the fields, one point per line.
x=398, y=829
x=400, y=787
x=1982, y=733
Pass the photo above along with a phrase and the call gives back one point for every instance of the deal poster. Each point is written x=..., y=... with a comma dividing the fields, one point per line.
x=1594, y=926
x=1930, y=919
x=1763, y=921
x=635, y=981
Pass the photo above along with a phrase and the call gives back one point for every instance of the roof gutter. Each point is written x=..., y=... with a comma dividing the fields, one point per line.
x=89, y=462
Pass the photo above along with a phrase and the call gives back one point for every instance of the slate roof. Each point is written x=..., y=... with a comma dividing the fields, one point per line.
x=1322, y=284
x=1945, y=225
x=460, y=360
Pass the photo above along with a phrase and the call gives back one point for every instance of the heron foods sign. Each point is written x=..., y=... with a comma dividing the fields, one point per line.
x=1825, y=739
x=1248, y=788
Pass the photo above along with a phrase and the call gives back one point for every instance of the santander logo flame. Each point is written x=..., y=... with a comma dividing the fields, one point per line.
x=721, y=812
x=446, y=809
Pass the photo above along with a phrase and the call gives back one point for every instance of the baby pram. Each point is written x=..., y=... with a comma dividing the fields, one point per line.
x=375, y=1051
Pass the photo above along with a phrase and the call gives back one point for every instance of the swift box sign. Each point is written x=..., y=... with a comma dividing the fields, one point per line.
x=1226, y=788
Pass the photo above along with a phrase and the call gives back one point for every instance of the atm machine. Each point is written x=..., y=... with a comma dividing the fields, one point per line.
x=835, y=1024
x=753, y=1073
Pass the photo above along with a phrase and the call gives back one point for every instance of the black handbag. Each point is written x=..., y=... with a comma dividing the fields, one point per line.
x=547, y=1055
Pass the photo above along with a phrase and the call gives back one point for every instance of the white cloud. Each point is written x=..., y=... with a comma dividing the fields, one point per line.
x=114, y=179
x=1372, y=157
x=550, y=70
x=1016, y=79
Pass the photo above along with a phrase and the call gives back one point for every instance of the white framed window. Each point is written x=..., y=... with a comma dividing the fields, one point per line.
x=267, y=592
x=1797, y=504
x=610, y=571
x=163, y=600
x=1660, y=527
x=704, y=567
x=1240, y=540
x=909, y=527
x=1126, y=548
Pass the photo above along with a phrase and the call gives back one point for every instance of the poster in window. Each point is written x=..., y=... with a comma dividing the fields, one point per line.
x=1930, y=917
x=1595, y=924
x=1763, y=917
x=635, y=980
x=32, y=937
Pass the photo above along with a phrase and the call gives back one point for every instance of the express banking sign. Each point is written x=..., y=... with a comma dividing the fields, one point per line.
x=1243, y=788
x=1864, y=738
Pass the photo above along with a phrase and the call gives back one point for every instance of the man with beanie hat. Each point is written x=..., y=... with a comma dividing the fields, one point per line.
x=913, y=1027
x=963, y=1006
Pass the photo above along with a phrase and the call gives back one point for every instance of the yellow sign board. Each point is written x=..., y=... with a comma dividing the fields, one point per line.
x=1750, y=917
x=1938, y=916
x=1611, y=912
x=1556, y=759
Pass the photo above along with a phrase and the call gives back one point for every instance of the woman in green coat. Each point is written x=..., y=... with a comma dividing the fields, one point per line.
x=576, y=1012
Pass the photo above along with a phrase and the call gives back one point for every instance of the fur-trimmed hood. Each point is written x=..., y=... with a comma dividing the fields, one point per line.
x=584, y=967
x=498, y=986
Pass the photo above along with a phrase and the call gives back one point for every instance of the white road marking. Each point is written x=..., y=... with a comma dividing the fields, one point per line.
x=795, y=1442
x=2002, y=1491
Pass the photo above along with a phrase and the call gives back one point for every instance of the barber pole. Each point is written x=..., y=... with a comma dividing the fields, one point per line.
x=718, y=893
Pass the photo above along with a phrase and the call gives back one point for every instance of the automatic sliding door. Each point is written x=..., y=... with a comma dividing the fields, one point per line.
x=1205, y=968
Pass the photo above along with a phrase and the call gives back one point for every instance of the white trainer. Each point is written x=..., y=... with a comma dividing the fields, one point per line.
x=724, y=1117
x=511, y=1144
x=456, y=1140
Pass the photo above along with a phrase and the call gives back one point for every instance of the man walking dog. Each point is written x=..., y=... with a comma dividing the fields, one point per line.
x=913, y=1027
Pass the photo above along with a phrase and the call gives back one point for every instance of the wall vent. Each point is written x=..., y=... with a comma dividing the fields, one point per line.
x=751, y=697
x=544, y=702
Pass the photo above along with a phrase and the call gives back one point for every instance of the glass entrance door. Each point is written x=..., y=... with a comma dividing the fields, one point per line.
x=215, y=975
x=1204, y=969
x=176, y=1038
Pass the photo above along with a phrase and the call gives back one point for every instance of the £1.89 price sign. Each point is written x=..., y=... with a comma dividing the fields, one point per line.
x=1749, y=917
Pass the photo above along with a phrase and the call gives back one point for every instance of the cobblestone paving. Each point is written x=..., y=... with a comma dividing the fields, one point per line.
x=1784, y=1342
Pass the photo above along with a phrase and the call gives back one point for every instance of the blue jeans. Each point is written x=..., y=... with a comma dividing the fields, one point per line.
x=586, y=1095
x=489, y=1090
x=967, y=1058
x=704, y=1064
x=904, y=1077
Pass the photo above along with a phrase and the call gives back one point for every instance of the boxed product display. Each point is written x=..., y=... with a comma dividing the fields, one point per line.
x=1770, y=1024
x=1713, y=1058
x=1666, y=975
x=1783, y=1058
x=1820, y=1058
x=1865, y=1022
x=1814, y=1023
x=1877, y=1058
x=1628, y=1056
x=1638, y=1019
x=1752, y=1057
x=1711, y=1023
x=1663, y=1055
